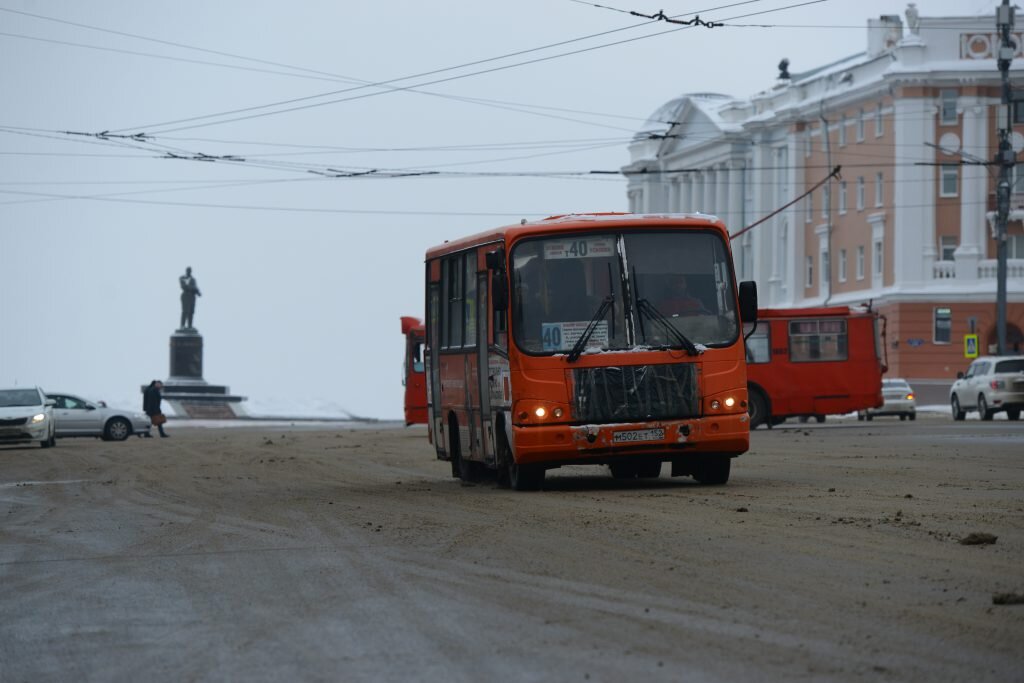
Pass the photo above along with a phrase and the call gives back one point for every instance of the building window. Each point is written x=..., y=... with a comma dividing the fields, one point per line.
x=809, y=207
x=878, y=260
x=947, y=245
x=950, y=181
x=860, y=262
x=842, y=196
x=842, y=131
x=943, y=324
x=860, y=126
x=808, y=143
x=1018, y=112
x=947, y=107
x=1015, y=246
x=879, y=189
x=824, y=136
x=860, y=193
x=825, y=205
x=817, y=340
x=842, y=265
x=879, y=123
x=825, y=273
x=809, y=280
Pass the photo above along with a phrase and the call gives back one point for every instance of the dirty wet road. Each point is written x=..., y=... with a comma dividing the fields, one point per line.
x=324, y=553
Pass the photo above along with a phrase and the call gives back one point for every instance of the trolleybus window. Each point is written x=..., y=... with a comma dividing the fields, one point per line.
x=817, y=340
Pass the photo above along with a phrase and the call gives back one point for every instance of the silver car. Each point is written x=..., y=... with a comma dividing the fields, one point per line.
x=991, y=384
x=899, y=400
x=76, y=416
x=26, y=415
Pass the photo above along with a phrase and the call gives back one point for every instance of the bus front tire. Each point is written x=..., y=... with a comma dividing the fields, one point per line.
x=525, y=477
x=712, y=469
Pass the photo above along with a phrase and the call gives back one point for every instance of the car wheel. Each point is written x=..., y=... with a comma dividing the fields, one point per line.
x=819, y=418
x=958, y=414
x=712, y=470
x=860, y=417
x=983, y=410
x=869, y=417
x=912, y=416
x=903, y=418
x=1013, y=414
x=525, y=477
x=117, y=429
x=757, y=407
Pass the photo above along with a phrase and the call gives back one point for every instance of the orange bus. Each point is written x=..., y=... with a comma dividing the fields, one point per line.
x=813, y=362
x=413, y=376
x=588, y=339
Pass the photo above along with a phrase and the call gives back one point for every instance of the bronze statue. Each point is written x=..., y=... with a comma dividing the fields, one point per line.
x=189, y=292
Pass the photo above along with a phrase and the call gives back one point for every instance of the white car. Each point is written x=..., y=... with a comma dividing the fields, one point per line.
x=899, y=400
x=26, y=415
x=991, y=384
x=76, y=416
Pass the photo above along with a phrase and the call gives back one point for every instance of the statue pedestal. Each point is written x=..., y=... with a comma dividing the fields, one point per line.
x=186, y=390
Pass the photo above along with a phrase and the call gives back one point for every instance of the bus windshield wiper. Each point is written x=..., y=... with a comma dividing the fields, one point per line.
x=645, y=307
x=581, y=343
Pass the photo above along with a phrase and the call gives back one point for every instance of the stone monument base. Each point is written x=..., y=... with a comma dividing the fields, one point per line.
x=197, y=399
x=188, y=394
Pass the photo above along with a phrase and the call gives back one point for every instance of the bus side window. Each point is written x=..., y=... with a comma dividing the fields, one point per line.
x=758, y=346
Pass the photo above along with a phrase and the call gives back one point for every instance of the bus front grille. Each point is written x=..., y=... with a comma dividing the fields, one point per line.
x=635, y=393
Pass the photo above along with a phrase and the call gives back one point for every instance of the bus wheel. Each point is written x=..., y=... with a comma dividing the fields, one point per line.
x=503, y=459
x=758, y=409
x=525, y=477
x=712, y=469
x=819, y=418
x=623, y=470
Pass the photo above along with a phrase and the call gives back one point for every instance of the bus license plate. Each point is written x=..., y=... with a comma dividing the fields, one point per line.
x=639, y=435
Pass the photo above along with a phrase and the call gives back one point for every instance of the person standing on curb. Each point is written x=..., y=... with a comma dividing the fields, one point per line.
x=151, y=405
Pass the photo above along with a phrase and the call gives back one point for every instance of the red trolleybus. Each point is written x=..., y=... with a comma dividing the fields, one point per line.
x=814, y=362
x=588, y=339
x=413, y=377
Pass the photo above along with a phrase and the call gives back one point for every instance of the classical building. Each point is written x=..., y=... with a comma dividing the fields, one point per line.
x=907, y=225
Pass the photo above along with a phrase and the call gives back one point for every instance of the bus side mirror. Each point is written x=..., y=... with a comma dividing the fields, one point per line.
x=499, y=290
x=496, y=260
x=748, y=301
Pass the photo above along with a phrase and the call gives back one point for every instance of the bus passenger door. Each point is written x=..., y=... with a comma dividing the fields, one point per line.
x=482, y=388
x=435, y=413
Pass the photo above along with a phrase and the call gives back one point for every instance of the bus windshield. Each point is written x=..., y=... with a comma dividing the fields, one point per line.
x=631, y=289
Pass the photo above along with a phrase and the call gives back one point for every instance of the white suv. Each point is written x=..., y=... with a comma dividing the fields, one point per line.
x=991, y=384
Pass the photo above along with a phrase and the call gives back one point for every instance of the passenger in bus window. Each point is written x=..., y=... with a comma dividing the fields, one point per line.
x=679, y=301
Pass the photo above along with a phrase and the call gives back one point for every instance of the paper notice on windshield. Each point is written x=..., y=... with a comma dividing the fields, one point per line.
x=584, y=247
x=563, y=336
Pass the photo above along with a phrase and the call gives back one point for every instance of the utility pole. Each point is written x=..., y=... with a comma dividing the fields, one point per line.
x=1005, y=158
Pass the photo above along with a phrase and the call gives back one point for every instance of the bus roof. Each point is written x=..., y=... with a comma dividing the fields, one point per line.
x=819, y=312
x=577, y=221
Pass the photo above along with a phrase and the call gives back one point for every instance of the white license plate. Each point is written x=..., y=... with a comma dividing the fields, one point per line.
x=638, y=435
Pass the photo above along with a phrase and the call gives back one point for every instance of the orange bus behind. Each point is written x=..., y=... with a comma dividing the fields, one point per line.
x=813, y=362
x=588, y=339
x=413, y=378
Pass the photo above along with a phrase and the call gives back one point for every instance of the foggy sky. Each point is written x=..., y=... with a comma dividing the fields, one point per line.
x=303, y=277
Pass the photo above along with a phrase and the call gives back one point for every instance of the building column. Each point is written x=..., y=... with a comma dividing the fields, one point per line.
x=914, y=189
x=698, y=191
x=722, y=193
x=709, y=190
x=973, y=190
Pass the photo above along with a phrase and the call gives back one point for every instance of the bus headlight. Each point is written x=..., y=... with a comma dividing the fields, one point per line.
x=730, y=402
x=540, y=412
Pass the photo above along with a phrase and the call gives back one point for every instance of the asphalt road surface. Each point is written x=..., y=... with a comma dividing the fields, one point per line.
x=273, y=553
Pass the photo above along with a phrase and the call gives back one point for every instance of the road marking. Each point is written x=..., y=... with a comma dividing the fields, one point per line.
x=14, y=484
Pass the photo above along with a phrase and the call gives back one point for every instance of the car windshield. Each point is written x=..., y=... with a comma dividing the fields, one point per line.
x=679, y=285
x=1015, y=365
x=10, y=398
